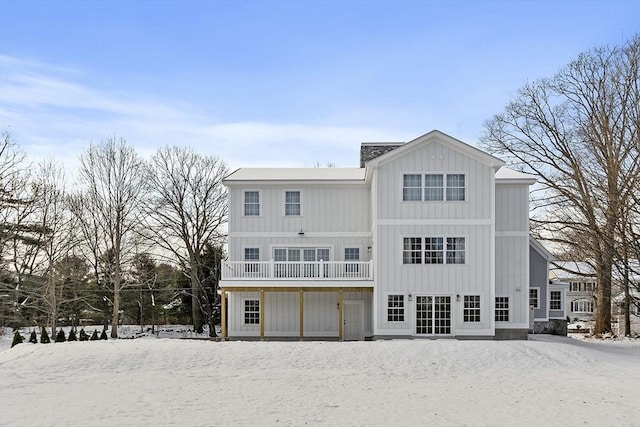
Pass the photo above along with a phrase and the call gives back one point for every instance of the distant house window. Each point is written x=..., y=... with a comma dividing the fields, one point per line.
x=434, y=250
x=555, y=300
x=252, y=203
x=502, y=309
x=471, y=310
x=455, y=250
x=352, y=254
x=251, y=254
x=534, y=301
x=455, y=187
x=412, y=187
x=395, y=308
x=582, y=306
x=252, y=312
x=292, y=203
x=433, y=187
x=412, y=250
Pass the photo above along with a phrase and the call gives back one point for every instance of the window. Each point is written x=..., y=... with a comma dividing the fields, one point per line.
x=582, y=306
x=252, y=203
x=395, y=308
x=352, y=254
x=555, y=300
x=251, y=254
x=292, y=203
x=455, y=187
x=502, y=309
x=433, y=250
x=433, y=187
x=412, y=187
x=455, y=250
x=533, y=298
x=471, y=311
x=412, y=250
x=251, y=312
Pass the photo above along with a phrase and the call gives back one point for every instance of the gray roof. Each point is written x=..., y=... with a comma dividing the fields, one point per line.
x=296, y=174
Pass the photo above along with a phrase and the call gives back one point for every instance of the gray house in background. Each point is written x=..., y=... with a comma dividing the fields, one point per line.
x=546, y=299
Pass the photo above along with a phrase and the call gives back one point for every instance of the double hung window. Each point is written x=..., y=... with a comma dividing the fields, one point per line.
x=395, y=308
x=471, y=310
x=251, y=203
x=292, y=203
x=433, y=187
x=502, y=309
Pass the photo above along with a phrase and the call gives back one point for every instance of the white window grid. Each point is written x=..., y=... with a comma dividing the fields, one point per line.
x=412, y=250
x=412, y=187
x=502, y=309
x=471, y=309
x=293, y=203
x=534, y=297
x=582, y=306
x=555, y=300
x=395, y=308
x=252, y=312
x=251, y=203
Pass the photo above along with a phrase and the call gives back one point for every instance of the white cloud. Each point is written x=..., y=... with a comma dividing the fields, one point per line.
x=51, y=113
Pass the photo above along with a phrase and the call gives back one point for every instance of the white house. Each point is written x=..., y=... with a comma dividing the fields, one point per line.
x=428, y=238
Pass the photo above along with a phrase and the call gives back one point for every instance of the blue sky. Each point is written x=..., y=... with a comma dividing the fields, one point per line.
x=279, y=83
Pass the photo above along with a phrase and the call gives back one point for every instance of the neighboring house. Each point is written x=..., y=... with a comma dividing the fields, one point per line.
x=581, y=303
x=546, y=298
x=429, y=238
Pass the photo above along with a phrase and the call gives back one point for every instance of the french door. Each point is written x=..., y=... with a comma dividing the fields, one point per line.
x=288, y=261
x=433, y=315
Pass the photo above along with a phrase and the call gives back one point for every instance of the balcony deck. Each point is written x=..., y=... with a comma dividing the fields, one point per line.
x=302, y=270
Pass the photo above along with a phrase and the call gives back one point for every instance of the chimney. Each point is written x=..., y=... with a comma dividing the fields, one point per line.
x=371, y=150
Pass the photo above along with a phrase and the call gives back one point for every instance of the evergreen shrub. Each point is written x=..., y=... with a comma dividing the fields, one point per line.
x=33, y=338
x=72, y=336
x=103, y=335
x=60, y=337
x=44, y=336
x=83, y=335
x=94, y=336
x=17, y=338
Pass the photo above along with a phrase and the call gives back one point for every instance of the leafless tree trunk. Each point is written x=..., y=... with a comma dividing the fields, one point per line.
x=111, y=174
x=578, y=132
x=187, y=209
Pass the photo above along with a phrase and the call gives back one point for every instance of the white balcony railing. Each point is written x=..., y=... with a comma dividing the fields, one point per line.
x=302, y=270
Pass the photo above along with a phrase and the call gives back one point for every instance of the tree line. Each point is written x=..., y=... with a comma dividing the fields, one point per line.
x=578, y=133
x=128, y=240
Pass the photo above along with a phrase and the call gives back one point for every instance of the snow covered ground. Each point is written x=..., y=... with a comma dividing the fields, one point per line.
x=156, y=382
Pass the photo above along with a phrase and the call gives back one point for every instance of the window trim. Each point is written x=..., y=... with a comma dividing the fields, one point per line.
x=445, y=176
x=508, y=309
x=537, y=289
x=575, y=303
x=284, y=202
x=443, y=251
x=251, y=266
x=245, y=312
x=244, y=203
x=561, y=300
x=403, y=307
x=471, y=311
x=352, y=268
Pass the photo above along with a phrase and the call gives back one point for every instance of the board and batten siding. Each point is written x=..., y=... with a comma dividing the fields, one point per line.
x=281, y=316
x=336, y=208
x=512, y=251
x=434, y=158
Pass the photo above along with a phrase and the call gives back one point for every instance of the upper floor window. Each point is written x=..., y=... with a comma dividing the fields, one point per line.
x=352, y=254
x=434, y=188
x=252, y=203
x=292, y=203
x=412, y=187
x=455, y=187
x=434, y=251
x=555, y=300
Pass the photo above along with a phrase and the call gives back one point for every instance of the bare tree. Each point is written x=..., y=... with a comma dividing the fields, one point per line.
x=578, y=132
x=108, y=208
x=186, y=211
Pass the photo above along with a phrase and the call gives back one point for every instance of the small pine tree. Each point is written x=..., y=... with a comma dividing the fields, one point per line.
x=94, y=336
x=33, y=338
x=17, y=338
x=44, y=336
x=103, y=335
x=72, y=336
x=83, y=335
x=60, y=337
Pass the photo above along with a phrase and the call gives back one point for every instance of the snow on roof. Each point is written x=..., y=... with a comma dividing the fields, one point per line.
x=296, y=174
x=506, y=174
x=570, y=269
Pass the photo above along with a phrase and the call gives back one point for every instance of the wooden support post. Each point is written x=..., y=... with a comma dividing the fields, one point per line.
x=262, y=314
x=340, y=320
x=223, y=314
x=301, y=314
